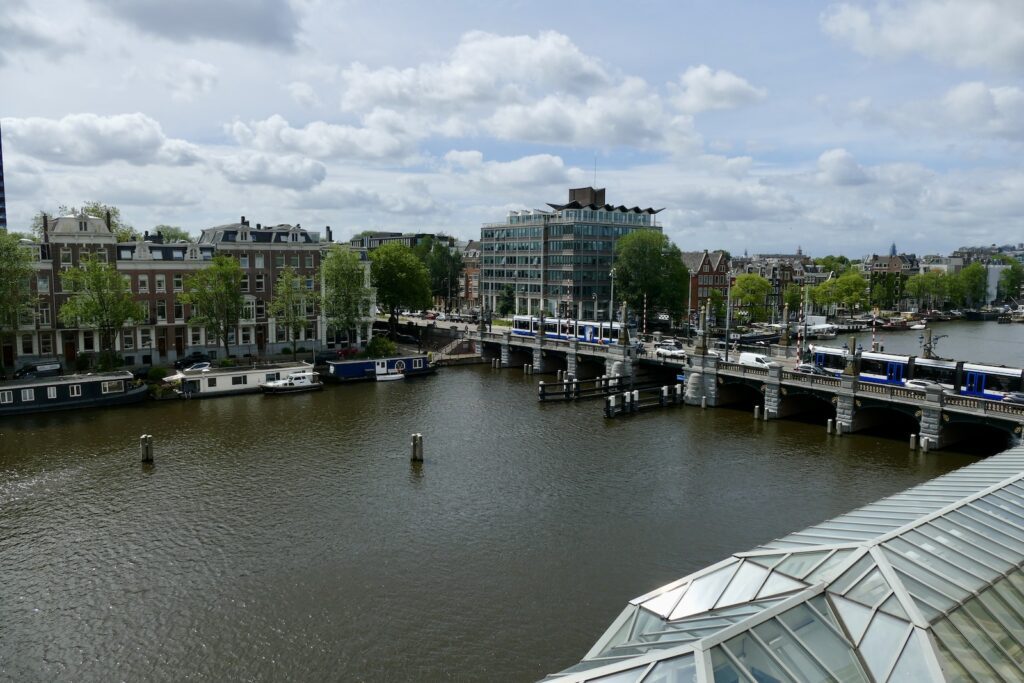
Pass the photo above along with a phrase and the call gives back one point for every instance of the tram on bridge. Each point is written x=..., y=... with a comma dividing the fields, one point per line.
x=592, y=331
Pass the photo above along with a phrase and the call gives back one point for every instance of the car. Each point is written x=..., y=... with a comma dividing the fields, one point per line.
x=757, y=360
x=192, y=359
x=441, y=316
x=669, y=352
x=43, y=368
x=205, y=365
x=1015, y=397
x=921, y=384
x=406, y=339
x=430, y=316
x=811, y=369
x=670, y=344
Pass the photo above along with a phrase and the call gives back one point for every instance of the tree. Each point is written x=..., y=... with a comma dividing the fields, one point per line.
x=444, y=265
x=649, y=269
x=974, y=280
x=215, y=294
x=507, y=301
x=101, y=298
x=172, y=233
x=751, y=291
x=851, y=290
x=16, y=298
x=792, y=296
x=886, y=289
x=928, y=286
x=717, y=305
x=289, y=305
x=836, y=264
x=121, y=229
x=345, y=301
x=401, y=280
x=826, y=295
x=1011, y=278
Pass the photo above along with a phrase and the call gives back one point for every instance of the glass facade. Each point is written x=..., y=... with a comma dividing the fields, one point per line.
x=925, y=585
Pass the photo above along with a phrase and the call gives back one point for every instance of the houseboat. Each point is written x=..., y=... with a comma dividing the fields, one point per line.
x=72, y=392
x=369, y=369
x=209, y=382
x=294, y=382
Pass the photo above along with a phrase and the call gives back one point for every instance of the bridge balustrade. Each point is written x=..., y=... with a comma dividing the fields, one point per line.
x=804, y=378
x=742, y=369
x=984, y=405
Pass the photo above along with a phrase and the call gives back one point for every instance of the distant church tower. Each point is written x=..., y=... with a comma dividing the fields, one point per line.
x=3, y=201
x=892, y=249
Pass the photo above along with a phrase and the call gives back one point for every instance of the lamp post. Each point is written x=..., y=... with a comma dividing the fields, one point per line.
x=611, y=298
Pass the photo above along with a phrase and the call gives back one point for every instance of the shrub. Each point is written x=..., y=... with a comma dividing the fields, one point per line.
x=286, y=349
x=156, y=374
x=226, y=363
x=380, y=347
x=82, y=363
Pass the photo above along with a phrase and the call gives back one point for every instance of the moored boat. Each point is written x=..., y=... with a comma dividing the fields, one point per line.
x=294, y=383
x=372, y=368
x=390, y=377
x=208, y=382
x=71, y=392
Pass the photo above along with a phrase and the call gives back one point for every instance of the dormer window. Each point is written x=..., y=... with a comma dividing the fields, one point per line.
x=83, y=226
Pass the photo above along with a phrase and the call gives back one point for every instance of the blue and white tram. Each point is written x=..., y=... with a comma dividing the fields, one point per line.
x=829, y=358
x=990, y=381
x=595, y=332
x=884, y=368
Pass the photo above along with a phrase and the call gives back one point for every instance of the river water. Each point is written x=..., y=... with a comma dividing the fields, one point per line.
x=290, y=538
x=981, y=342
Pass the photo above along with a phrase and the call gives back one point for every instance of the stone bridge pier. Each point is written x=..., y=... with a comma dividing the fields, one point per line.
x=701, y=381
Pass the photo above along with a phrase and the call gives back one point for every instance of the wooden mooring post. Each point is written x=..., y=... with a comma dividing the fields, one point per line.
x=146, y=448
x=417, y=447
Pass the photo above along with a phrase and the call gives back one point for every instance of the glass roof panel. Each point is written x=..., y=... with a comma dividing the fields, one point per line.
x=1001, y=512
x=664, y=604
x=870, y=589
x=647, y=622
x=892, y=606
x=755, y=658
x=790, y=652
x=994, y=627
x=1010, y=596
x=832, y=650
x=675, y=670
x=960, y=650
x=936, y=564
x=851, y=575
x=826, y=569
x=623, y=634
x=992, y=653
x=1016, y=579
x=768, y=561
x=778, y=583
x=933, y=581
x=911, y=667
x=855, y=617
x=952, y=670
x=744, y=584
x=822, y=607
x=972, y=532
x=704, y=592
x=985, y=521
x=630, y=676
x=724, y=670
x=976, y=562
x=882, y=642
x=798, y=564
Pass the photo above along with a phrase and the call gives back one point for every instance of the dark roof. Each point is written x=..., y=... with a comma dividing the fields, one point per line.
x=606, y=207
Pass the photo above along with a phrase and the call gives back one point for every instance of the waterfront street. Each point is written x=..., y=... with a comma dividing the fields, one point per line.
x=291, y=538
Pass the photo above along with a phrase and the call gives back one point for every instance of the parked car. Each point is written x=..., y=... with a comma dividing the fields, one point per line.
x=811, y=369
x=192, y=359
x=921, y=384
x=757, y=360
x=43, y=368
x=1015, y=397
x=671, y=344
x=204, y=365
x=669, y=352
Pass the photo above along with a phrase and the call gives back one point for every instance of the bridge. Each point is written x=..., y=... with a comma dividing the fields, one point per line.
x=936, y=417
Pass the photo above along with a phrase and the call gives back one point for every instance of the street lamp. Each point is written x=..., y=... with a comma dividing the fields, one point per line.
x=611, y=298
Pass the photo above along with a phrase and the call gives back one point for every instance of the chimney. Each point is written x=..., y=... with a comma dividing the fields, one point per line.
x=330, y=238
x=107, y=220
x=258, y=226
x=243, y=221
x=46, y=228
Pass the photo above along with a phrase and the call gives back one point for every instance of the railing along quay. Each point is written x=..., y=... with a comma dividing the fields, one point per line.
x=629, y=402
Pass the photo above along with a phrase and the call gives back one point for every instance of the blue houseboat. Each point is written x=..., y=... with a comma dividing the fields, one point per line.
x=45, y=394
x=370, y=369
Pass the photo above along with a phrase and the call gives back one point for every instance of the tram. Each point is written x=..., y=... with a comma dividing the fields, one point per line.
x=592, y=331
x=970, y=379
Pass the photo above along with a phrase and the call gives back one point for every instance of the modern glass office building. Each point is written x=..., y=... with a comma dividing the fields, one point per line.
x=925, y=585
x=558, y=262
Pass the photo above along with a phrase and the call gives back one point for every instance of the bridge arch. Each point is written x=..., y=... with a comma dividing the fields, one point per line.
x=739, y=392
x=806, y=406
x=889, y=419
x=978, y=436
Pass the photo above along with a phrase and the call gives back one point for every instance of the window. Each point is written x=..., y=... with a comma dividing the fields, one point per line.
x=161, y=283
x=161, y=310
x=26, y=344
x=278, y=260
x=65, y=257
x=43, y=314
x=75, y=390
x=195, y=336
x=145, y=338
x=309, y=260
x=114, y=386
x=88, y=341
x=261, y=309
x=83, y=226
x=243, y=260
x=273, y=376
x=6, y=397
x=248, y=310
x=259, y=260
x=101, y=256
x=309, y=283
x=295, y=260
x=246, y=335
x=260, y=282
x=128, y=339
x=28, y=395
x=245, y=282
x=211, y=381
x=241, y=379
x=179, y=310
x=417, y=363
x=45, y=343
x=178, y=282
x=143, y=284
x=43, y=284
x=51, y=392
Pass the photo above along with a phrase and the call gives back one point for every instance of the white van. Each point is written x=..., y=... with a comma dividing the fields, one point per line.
x=757, y=360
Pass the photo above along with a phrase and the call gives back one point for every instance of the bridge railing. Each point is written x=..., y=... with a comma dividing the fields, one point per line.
x=890, y=392
x=984, y=405
x=803, y=378
x=746, y=370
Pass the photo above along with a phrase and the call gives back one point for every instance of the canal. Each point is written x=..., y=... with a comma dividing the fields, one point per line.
x=291, y=538
x=979, y=342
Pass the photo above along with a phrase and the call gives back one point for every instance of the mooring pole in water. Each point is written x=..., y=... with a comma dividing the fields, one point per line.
x=925, y=443
x=828, y=426
x=417, y=448
x=146, y=447
x=913, y=442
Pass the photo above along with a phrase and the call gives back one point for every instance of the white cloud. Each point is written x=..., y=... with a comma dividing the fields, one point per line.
x=703, y=88
x=190, y=78
x=997, y=112
x=323, y=140
x=483, y=68
x=534, y=170
x=88, y=139
x=838, y=167
x=303, y=94
x=24, y=31
x=362, y=200
x=288, y=171
x=966, y=33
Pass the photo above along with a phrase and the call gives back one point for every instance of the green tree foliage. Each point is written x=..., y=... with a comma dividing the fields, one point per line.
x=215, y=294
x=974, y=283
x=928, y=288
x=837, y=264
x=886, y=289
x=751, y=292
x=825, y=294
x=717, y=301
x=1011, y=279
x=792, y=297
x=16, y=298
x=101, y=299
x=401, y=280
x=851, y=290
x=172, y=233
x=289, y=305
x=381, y=347
x=444, y=265
x=647, y=263
x=507, y=301
x=345, y=301
x=121, y=229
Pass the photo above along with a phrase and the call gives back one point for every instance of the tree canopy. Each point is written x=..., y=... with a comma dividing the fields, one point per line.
x=101, y=298
x=16, y=298
x=751, y=291
x=973, y=283
x=837, y=264
x=1011, y=278
x=172, y=233
x=648, y=264
x=215, y=294
x=289, y=305
x=401, y=279
x=345, y=301
x=444, y=265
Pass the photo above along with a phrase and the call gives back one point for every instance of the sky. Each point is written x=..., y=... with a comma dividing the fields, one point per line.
x=758, y=127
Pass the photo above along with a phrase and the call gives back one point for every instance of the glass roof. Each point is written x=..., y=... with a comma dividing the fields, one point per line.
x=924, y=585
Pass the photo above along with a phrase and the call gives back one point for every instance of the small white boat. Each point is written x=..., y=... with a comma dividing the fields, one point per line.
x=293, y=383
x=918, y=326
x=389, y=377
